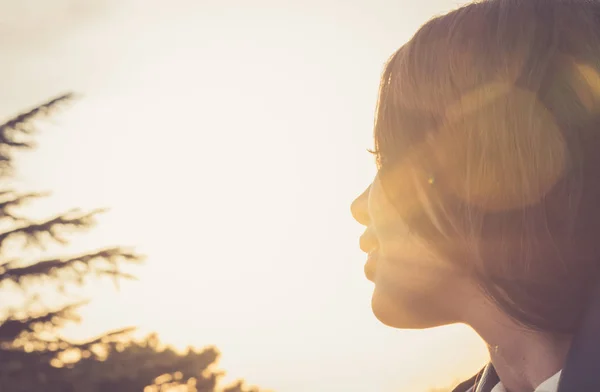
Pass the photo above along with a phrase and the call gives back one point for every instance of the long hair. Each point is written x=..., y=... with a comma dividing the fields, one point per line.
x=487, y=137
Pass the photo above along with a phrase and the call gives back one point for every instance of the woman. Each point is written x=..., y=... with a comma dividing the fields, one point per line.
x=486, y=206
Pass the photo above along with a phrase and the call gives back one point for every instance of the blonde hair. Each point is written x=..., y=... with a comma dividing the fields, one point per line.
x=492, y=113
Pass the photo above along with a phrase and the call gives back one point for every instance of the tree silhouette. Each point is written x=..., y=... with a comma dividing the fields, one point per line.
x=33, y=354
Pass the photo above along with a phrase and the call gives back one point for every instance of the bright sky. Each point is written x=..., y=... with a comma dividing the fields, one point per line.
x=228, y=138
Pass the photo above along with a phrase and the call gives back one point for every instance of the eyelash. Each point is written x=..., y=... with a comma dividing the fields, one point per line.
x=378, y=158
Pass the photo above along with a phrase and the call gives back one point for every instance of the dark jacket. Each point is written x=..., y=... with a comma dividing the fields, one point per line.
x=581, y=372
x=483, y=381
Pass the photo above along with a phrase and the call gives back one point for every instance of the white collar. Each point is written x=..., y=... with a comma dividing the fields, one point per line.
x=550, y=385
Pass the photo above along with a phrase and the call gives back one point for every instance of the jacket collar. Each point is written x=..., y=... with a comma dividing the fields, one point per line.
x=483, y=381
x=488, y=380
x=581, y=371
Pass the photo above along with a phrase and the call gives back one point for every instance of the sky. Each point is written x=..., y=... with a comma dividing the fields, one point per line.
x=228, y=139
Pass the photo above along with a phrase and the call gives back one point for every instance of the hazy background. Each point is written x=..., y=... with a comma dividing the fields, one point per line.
x=228, y=138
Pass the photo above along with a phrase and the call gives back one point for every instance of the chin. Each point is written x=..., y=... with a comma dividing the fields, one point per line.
x=406, y=312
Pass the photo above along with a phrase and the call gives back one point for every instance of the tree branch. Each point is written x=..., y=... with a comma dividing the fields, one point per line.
x=13, y=130
x=12, y=328
x=34, y=233
x=11, y=200
x=58, y=345
x=104, y=262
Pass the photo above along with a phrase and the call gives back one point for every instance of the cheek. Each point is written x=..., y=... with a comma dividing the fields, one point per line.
x=407, y=258
x=385, y=218
x=414, y=276
x=404, y=274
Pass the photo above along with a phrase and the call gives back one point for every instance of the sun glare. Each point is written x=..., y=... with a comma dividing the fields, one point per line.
x=227, y=143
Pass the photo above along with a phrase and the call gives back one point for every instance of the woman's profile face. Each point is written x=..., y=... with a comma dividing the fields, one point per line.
x=413, y=287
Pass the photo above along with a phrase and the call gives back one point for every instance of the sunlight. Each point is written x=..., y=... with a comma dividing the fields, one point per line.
x=228, y=145
x=590, y=94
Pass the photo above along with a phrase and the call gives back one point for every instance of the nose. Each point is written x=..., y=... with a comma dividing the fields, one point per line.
x=359, y=208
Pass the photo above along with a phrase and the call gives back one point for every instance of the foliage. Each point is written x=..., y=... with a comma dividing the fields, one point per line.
x=33, y=354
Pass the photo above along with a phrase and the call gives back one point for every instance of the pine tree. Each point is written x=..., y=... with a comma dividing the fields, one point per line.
x=33, y=354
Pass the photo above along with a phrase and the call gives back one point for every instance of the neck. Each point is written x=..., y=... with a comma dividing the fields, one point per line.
x=523, y=359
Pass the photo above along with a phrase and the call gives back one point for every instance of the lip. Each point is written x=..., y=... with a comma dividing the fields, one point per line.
x=368, y=242
x=371, y=265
